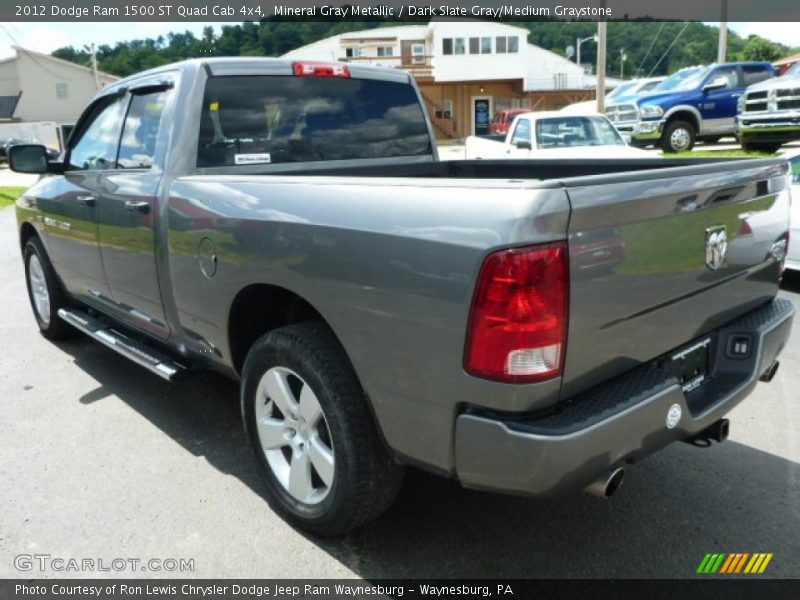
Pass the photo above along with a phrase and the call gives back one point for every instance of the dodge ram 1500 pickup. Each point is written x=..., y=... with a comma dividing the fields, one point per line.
x=529, y=327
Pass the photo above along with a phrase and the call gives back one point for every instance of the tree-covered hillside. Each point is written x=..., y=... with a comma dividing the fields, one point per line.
x=651, y=46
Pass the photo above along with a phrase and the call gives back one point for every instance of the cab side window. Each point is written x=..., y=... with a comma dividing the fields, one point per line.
x=522, y=132
x=140, y=132
x=755, y=73
x=730, y=76
x=96, y=145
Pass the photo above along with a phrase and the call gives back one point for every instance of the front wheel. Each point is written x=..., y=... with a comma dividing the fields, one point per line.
x=312, y=431
x=678, y=136
x=45, y=292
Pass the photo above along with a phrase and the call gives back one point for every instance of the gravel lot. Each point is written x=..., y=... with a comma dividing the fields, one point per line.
x=101, y=460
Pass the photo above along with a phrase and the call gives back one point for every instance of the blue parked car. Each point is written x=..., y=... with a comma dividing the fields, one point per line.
x=691, y=104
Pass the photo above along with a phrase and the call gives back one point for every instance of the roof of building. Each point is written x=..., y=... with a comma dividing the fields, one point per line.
x=791, y=59
x=36, y=56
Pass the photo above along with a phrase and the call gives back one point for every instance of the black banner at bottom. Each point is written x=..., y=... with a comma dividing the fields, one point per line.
x=330, y=589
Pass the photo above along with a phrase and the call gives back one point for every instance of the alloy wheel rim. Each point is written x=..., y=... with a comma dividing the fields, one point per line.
x=38, y=284
x=680, y=139
x=294, y=435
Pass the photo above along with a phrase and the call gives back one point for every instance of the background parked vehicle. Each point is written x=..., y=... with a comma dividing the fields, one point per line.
x=769, y=113
x=694, y=103
x=52, y=154
x=503, y=118
x=629, y=89
x=553, y=134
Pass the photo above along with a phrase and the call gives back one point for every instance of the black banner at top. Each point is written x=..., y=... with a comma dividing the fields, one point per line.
x=397, y=10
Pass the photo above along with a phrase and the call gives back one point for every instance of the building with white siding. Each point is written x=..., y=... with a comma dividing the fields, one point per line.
x=466, y=70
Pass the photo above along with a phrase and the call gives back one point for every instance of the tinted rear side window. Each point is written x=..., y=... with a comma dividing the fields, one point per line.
x=279, y=119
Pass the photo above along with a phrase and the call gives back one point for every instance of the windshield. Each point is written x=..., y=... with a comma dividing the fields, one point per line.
x=620, y=90
x=794, y=71
x=567, y=132
x=685, y=79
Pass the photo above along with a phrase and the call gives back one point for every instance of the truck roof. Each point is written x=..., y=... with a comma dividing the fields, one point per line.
x=258, y=65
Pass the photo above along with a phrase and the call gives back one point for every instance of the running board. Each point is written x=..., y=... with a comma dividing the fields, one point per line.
x=140, y=353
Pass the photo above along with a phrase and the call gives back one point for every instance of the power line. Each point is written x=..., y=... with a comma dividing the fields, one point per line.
x=663, y=56
x=639, y=70
x=31, y=55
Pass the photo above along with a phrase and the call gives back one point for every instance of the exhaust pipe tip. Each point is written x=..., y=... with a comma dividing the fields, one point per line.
x=770, y=372
x=607, y=485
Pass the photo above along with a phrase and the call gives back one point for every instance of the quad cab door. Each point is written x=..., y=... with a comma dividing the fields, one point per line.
x=71, y=203
x=128, y=210
x=718, y=106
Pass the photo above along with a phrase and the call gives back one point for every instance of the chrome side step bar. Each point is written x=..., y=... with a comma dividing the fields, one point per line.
x=149, y=358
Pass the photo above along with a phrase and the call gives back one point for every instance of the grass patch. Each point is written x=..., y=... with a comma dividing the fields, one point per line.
x=9, y=194
x=720, y=154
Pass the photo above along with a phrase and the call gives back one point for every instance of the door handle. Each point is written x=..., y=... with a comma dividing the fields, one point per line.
x=142, y=207
x=86, y=199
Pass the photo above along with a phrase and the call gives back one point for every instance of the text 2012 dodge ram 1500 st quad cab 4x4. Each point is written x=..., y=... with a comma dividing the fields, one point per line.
x=289, y=224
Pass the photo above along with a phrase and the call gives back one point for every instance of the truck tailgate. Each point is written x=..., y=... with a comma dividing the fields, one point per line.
x=660, y=258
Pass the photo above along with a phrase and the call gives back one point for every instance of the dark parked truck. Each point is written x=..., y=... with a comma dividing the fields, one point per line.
x=530, y=327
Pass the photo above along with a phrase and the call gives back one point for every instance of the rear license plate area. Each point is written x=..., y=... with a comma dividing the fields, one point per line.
x=690, y=365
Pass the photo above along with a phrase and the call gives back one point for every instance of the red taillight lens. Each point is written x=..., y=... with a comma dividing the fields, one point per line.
x=518, y=324
x=320, y=69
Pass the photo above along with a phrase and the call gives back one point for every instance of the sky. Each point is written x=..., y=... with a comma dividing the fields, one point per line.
x=46, y=37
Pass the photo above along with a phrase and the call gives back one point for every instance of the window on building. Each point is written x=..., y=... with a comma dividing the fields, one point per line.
x=447, y=46
x=460, y=46
x=95, y=146
x=62, y=90
x=513, y=44
x=502, y=103
x=385, y=50
x=353, y=51
x=418, y=54
x=560, y=81
x=500, y=44
x=486, y=45
x=474, y=45
x=443, y=109
x=140, y=131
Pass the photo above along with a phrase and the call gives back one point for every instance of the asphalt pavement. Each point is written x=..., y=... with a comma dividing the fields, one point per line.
x=101, y=460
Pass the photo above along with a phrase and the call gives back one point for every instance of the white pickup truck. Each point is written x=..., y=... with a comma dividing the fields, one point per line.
x=549, y=134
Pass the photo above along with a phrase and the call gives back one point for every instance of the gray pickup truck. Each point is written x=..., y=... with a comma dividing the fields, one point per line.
x=529, y=327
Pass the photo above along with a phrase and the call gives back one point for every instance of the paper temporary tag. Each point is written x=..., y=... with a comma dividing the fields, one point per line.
x=252, y=159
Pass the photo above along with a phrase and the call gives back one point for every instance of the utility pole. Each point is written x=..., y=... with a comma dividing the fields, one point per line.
x=601, y=65
x=723, y=33
x=92, y=49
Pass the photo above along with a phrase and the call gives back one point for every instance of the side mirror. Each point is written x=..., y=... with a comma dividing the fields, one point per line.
x=28, y=158
x=522, y=145
x=717, y=84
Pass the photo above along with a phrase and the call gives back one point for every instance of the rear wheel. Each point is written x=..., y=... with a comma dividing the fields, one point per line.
x=308, y=421
x=44, y=291
x=678, y=136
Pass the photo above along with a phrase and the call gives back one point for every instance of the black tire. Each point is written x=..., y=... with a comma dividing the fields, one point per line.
x=669, y=145
x=51, y=326
x=761, y=147
x=365, y=478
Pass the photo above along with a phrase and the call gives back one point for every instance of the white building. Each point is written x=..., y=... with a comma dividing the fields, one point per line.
x=36, y=88
x=465, y=69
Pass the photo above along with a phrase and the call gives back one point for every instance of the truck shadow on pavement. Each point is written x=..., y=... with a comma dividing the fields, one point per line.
x=675, y=506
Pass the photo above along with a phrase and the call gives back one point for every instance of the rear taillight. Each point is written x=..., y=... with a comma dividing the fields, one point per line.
x=518, y=323
x=320, y=69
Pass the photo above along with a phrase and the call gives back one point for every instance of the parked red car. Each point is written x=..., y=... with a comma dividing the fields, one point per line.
x=503, y=118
